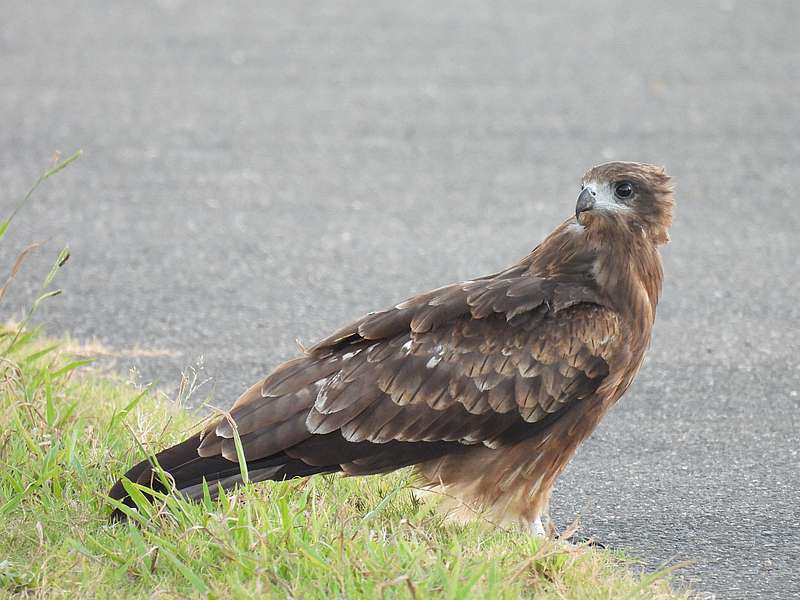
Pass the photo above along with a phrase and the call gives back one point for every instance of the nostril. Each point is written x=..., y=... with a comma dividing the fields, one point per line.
x=592, y=192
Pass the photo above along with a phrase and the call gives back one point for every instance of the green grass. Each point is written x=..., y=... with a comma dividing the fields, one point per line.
x=67, y=431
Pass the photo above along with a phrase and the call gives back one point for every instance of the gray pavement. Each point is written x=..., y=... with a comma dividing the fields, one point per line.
x=268, y=171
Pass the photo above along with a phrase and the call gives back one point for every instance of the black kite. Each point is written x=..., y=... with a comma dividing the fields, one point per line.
x=486, y=386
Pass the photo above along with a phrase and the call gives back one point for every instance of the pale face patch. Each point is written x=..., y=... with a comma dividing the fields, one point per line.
x=604, y=197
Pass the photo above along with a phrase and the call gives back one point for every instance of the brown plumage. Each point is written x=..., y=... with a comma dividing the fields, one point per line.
x=487, y=386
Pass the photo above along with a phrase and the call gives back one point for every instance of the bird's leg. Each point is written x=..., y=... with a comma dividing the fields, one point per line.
x=536, y=528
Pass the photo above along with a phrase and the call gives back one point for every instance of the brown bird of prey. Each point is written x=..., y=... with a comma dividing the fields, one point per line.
x=486, y=386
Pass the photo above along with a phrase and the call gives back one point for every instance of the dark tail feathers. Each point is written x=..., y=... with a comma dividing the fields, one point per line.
x=188, y=471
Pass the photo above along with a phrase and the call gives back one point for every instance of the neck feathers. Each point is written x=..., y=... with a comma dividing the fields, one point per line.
x=623, y=263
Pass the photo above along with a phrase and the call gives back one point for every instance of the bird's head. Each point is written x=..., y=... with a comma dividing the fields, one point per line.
x=635, y=195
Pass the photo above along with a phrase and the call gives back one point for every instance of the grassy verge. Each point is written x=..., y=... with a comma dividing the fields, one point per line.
x=66, y=432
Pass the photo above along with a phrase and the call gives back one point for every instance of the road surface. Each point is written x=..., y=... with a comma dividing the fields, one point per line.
x=265, y=172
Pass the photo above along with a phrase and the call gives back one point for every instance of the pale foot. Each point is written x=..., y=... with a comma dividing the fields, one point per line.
x=536, y=527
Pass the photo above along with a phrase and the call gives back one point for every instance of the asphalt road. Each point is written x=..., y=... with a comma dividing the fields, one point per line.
x=266, y=172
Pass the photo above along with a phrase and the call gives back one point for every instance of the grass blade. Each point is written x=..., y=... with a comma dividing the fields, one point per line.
x=197, y=583
x=71, y=367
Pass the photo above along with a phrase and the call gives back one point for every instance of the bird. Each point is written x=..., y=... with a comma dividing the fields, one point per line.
x=486, y=387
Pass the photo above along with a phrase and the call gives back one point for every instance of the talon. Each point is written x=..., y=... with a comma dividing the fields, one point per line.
x=581, y=539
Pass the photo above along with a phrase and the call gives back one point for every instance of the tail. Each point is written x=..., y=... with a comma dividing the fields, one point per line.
x=187, y=472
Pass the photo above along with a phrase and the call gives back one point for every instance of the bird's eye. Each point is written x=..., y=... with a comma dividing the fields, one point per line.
x=623, y=190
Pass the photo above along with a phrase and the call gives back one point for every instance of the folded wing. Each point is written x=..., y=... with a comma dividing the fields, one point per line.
x=483, y=362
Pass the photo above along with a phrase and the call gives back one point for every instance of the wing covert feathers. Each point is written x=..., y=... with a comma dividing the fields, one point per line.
x=465, y=364
x=484, y=362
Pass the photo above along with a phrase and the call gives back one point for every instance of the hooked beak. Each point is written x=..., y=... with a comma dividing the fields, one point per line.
x=585, y=202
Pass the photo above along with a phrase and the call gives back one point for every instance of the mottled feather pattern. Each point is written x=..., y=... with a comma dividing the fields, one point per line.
x=497, y=370
x=484, y=365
